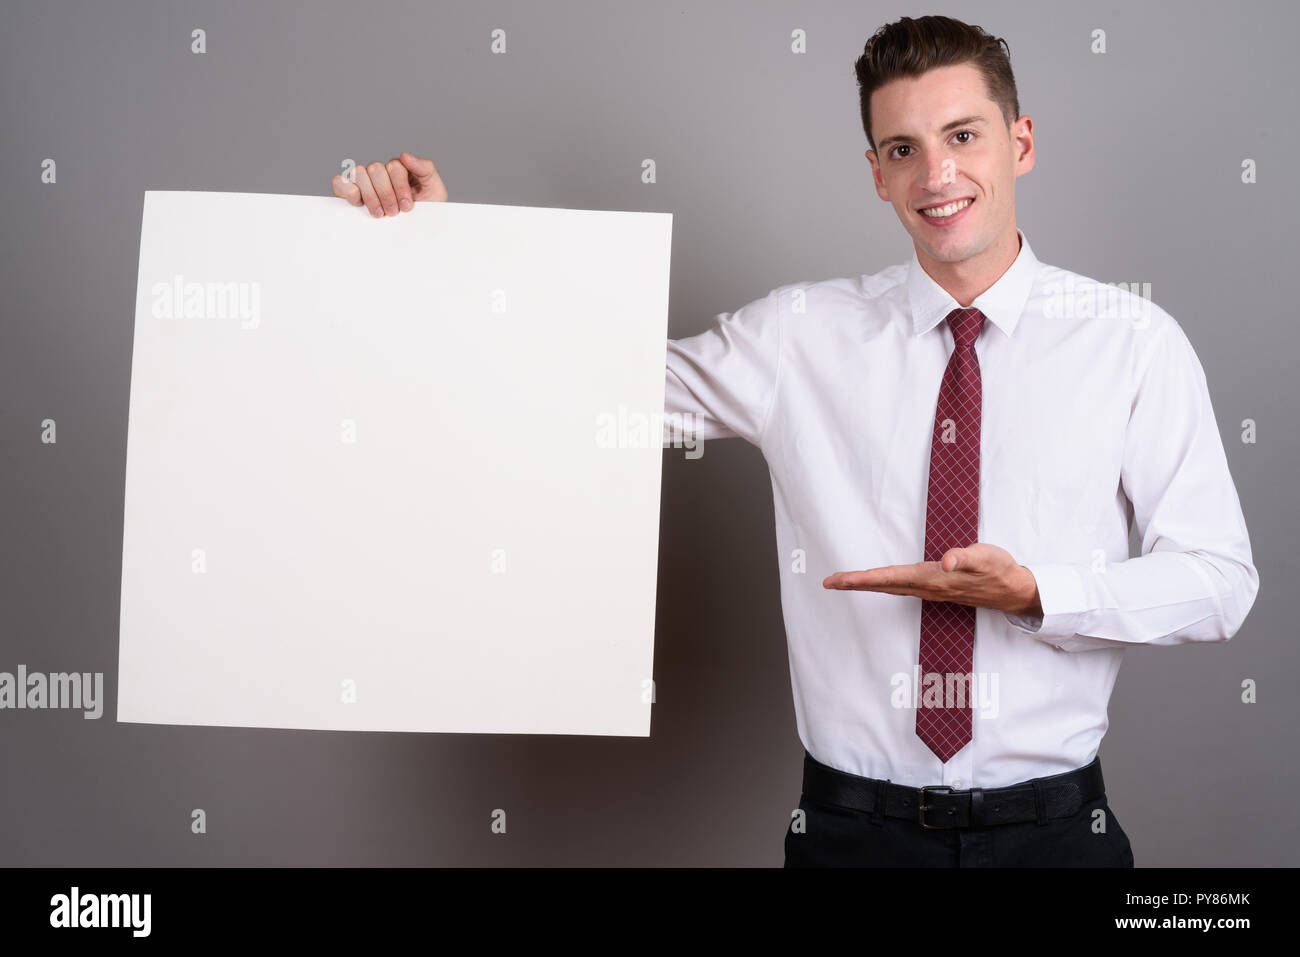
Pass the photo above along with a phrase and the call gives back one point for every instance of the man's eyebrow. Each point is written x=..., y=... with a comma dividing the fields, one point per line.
x=976, y=120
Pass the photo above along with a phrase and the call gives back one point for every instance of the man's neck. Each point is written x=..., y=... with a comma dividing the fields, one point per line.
x=970, y=278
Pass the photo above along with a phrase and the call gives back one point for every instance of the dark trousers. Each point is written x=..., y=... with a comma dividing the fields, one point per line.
x=841, y=837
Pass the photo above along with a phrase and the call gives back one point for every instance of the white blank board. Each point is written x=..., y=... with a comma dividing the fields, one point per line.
x=371, y=482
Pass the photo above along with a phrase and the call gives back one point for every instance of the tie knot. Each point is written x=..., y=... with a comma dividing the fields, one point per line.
x=966, y=325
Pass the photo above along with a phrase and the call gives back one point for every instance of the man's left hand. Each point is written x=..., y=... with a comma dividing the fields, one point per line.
x=982, y=575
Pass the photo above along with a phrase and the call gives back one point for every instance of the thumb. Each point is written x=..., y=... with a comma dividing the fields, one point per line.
x=427, y=183
x=421, y=168
x=952, y=559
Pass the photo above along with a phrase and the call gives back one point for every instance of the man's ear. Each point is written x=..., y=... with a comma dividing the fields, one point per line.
x=879, y=180
x=1022, y=142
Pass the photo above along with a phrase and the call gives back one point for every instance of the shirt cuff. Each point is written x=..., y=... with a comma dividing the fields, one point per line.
x=1063, y=596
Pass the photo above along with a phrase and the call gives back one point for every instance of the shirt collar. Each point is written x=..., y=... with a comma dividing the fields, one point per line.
x=1002, y=303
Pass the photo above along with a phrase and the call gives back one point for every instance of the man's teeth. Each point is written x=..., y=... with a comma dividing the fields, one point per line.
x=940, y=211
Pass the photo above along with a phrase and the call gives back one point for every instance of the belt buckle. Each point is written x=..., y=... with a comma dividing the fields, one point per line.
x=922, y=807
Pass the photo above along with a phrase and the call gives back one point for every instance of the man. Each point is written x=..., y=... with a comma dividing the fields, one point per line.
x=977, y=430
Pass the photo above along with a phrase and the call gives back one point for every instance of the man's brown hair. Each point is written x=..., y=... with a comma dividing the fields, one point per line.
x=910, y=47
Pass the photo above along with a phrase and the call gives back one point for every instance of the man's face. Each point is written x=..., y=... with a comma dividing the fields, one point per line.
x=926, y=158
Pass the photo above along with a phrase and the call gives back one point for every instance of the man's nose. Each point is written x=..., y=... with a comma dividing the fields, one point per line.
x=940, y=171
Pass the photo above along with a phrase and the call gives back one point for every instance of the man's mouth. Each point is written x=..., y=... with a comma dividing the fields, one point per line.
x=943, y=213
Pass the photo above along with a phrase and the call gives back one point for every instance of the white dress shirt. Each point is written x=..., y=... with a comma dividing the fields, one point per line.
x=1095, y=413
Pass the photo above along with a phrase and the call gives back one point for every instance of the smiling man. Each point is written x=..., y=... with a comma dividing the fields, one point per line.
x=958, y=446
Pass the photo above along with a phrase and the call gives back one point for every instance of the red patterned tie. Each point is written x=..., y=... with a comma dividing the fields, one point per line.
x=952, y=521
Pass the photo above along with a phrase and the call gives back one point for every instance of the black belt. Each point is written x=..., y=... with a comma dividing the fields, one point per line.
x=939, y=806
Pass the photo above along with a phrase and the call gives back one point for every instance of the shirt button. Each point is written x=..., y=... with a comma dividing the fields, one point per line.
x=956, y=782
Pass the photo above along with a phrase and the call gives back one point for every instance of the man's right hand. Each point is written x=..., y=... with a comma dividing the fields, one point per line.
x=396, y=186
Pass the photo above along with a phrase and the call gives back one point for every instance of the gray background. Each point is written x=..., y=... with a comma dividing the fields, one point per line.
x=760, y=160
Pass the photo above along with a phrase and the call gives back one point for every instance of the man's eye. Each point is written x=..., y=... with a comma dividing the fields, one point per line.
x=896, y=148
x=965, y=133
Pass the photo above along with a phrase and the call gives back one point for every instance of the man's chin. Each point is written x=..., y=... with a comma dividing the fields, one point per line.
x=944, y=252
